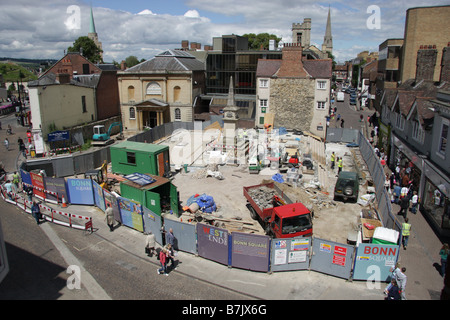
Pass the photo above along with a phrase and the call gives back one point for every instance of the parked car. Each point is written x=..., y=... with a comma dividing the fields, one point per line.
x=347, y=186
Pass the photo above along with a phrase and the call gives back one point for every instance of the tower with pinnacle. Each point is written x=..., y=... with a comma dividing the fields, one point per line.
x=93, y=34
x=327, y=45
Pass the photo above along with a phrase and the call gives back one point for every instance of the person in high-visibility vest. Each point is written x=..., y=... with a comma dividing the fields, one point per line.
x=339, y=165
x=406, y=231
x=333, y=156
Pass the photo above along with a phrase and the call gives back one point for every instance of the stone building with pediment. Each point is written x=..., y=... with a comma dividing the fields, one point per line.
x=160, y=90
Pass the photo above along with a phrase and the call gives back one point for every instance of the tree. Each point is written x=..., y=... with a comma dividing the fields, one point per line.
x=260, y=40
x=131, y=61
x=90, y=49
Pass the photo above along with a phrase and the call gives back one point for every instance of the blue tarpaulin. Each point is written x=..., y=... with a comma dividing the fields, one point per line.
x=278, y=178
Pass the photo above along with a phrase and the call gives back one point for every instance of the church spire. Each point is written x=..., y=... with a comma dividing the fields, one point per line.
x=92, y=24
x=327, y=45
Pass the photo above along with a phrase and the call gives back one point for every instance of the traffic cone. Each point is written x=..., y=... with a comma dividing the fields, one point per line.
x=64, y=204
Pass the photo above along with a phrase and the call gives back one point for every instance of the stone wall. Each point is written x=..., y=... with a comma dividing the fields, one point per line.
x=292, y=102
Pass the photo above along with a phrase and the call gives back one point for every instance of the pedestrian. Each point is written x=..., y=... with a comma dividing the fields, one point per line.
x=338, y=117
x=109, y=217
x=36, y=212
x=23, y=149
x=170, y=256
x=361, y=117
x=394, y=272
x=444, y=254
x=8, y=186
x=404, y=205
x=394, y=291
x=6, y=144
x=340, y=165
x=16, y=181
x=414, y=202
x=29, y=192
x=170, y=238
x=342, y=122
x=9, y=130
x=162, y=261
x=150, y=244
x=401, y=281
x=387, y=183
x=333, y=158
x=406, y=231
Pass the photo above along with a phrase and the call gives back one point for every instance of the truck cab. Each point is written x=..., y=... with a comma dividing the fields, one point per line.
x=290, y=220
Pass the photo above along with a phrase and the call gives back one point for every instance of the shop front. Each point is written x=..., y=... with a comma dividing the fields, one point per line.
x=435, y=199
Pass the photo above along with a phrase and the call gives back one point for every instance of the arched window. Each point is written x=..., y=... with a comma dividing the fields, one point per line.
x=130, y=93
x=153, y=88
x=177, y=114
x=132, y=113
x=176, y=94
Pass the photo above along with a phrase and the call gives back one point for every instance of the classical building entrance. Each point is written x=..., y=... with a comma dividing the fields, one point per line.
x=152, y=113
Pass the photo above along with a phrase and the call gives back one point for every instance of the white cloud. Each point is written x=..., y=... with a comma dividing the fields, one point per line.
x=43, y=29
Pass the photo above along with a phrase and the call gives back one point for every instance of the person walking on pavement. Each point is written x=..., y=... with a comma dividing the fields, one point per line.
x=394, y=291
x=150, y=244
x=406, y=231
x=401, y=280
x=36, y=212
x=170, y=256
x=395, y=271
x=6, y=144
x=162, y=261
x=171, y=238
x=342, y=122
x=414, y=202
x=444, y=255
x=404, y=205
x=333, y=158
x=109, y=217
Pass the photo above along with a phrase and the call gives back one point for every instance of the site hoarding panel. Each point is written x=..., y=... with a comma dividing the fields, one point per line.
x=131, y=213
x=250, y=251
x=80, y=191
x=374, y=261
x=184, y=233
x=38, y=181
x=153, y=224
x=26, y=177
x=290, y=254
x=98, y=196
x=212, y=243
x=57, y=185
x=332, y=258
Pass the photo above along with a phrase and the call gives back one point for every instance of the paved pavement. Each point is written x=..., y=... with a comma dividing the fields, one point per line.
x=420, y=259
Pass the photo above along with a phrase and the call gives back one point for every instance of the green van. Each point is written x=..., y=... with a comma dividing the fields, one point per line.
x=347, y=186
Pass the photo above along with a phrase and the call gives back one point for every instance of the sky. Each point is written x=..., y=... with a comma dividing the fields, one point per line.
x=44, y=29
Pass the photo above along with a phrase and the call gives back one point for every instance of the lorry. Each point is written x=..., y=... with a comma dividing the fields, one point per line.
x=278, y=218
x=340, y=96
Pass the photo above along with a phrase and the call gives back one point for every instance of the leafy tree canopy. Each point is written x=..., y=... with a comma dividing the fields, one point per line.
x=256, y=41
x=90, y=49
x=131, y=61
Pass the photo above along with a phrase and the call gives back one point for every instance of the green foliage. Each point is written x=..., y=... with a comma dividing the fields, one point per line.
x=90, y=49
x=260, y=40
x=13, y=72
x=131, y=61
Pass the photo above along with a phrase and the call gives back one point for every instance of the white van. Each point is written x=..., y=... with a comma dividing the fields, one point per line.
x=340, y=96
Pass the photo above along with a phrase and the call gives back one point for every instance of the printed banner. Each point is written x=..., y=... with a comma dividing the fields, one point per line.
x=212, y=243
x=131, y=213
x=38, y=181
x=26, y=177
x=374, y=261
x=80, y=191
x=251, y=251
x=57, y=185
x=98, y=196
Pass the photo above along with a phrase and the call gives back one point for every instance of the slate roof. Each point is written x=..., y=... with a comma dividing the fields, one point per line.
x=170, y=60
x=319, y=69
x=267, y=67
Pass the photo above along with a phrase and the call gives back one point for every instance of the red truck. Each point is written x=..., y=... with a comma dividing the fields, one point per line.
x=279, y=220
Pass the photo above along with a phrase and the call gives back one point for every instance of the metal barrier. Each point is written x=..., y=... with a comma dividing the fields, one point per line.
x=290, y=254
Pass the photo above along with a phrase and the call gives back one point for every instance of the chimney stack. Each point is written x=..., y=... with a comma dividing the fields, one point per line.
x=123, y=65
x=291, y=63
x=426, y=61
x=445, y=64
x=185, y=44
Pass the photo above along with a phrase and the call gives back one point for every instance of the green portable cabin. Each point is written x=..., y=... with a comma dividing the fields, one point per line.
x=156, y=196
x=129, y=157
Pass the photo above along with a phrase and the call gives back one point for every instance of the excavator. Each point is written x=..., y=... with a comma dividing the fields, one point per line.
x=102, y=137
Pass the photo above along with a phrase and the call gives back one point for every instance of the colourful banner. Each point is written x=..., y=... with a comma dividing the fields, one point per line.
x=131, y=213
x=212, y=243
x=38, y=181
x=98, y=196
x=374, y=261
x=57, y=185
x=80, y=191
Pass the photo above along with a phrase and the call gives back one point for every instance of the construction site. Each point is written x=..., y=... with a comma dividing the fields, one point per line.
x=206, y=167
